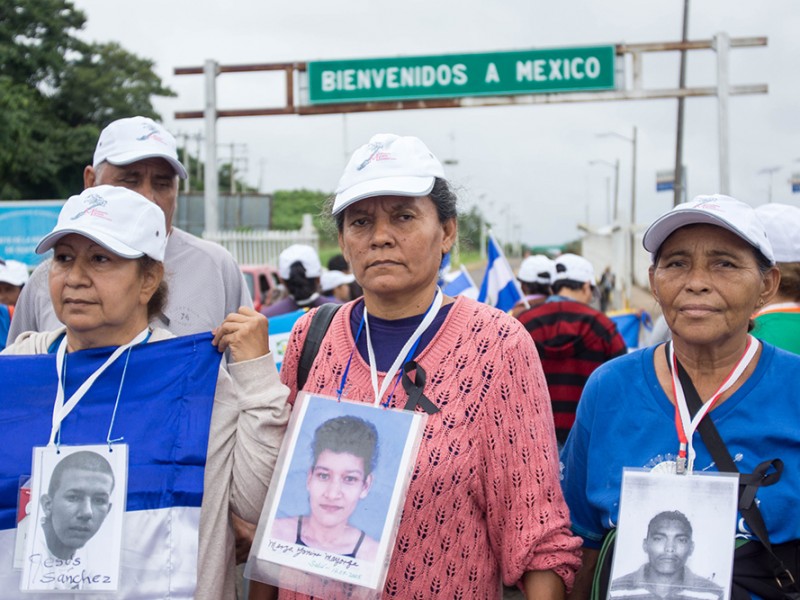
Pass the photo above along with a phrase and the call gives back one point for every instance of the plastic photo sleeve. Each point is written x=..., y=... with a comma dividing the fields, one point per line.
x=331, y=515
x=75, y=512
x=676, y=536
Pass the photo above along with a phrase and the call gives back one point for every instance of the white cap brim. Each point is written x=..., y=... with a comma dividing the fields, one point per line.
x=127, y=158
x=659, y=231
x=107, y=242
x=384, y=186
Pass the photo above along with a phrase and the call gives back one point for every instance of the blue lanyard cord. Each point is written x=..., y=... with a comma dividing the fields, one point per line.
x=116, y=403
x=349, y=360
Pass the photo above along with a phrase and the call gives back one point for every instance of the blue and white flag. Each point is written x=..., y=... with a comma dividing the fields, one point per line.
x=279, y=329
x=163, y=414
x=460, y=283
x=499, y=287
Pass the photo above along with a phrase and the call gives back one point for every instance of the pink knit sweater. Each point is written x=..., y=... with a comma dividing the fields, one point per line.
x=485, y=502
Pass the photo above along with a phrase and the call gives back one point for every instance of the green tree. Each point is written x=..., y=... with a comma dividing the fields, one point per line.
x=289, y=206
x=56, y=94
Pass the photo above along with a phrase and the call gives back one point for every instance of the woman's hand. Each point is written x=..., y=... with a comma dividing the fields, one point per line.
x=245, y=333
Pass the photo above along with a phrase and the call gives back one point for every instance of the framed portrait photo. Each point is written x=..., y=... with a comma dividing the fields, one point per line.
x=75, y=516
x=336, y=496
x=675, y=536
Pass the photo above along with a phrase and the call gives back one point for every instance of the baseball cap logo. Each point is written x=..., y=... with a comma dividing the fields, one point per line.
x=150, y=132
x=93, y=202
x=375, y=155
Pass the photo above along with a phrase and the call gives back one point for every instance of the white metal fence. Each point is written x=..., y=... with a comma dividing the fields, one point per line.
x=262, y=246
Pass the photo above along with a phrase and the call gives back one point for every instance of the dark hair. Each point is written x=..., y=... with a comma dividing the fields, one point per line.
x=570, y=284
x=669, y=515
x=337, y=262
x=159, y=298
x=84, y=460
x=299, y=286
x=349, y=435
x=790, y=280
x=534, y=287
x=442, y=195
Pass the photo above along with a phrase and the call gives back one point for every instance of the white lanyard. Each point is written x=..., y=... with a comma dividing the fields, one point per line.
x=61, y=409
x=689, y=424
x=401, y=357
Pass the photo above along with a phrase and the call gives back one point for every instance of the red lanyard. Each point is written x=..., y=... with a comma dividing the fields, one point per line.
x=685, y=424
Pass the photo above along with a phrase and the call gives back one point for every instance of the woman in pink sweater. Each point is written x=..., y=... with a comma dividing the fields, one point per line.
x=484, y=505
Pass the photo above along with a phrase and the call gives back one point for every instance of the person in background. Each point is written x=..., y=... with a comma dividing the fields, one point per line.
x=106, y=282
x=712, y=268
x=299, y=270
x=13, y=277
x=606, y=287
x=337, y=262
x=778, y=321
x=336, y=284
x=572, y=338
x=484, y=505
x=204, y=280
x=535, y=277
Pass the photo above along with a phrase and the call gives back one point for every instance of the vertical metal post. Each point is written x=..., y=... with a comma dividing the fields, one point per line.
x=211, y=180
x=722, y=44
x=233, y=162
x=616, y=191
x=678, y=183
x=633, y=208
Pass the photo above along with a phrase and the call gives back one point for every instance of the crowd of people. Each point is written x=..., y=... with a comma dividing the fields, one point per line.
x=532, y=415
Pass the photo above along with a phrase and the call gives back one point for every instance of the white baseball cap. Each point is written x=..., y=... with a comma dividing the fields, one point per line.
x=128, y=140
x=299, y=253
x=119, y=219
x=573, y=268
x=537, y=269
x=330, y=280
x=723, y=211
x=782, y=224
x=389, y=165
x=13, y=272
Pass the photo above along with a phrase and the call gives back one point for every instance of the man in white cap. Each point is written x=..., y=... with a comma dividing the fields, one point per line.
x=535, y=278
x=572, y=338
x=205, y=283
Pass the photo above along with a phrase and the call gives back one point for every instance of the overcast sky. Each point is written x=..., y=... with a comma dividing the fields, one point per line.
x=527, y=165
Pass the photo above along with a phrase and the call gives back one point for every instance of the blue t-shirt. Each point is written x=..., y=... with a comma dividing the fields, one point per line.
x=624, y=419
x=5, y=324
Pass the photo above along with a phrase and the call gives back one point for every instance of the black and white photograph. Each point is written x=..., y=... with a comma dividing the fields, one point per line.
x=340, y=489
x=675, y=537
x=76, y=512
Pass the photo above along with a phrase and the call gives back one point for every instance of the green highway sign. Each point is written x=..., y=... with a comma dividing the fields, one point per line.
x=588, y=68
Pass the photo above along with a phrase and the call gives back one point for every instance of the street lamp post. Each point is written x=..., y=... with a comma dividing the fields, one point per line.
x=771, y=172
x=612, y=216
x=632, y=240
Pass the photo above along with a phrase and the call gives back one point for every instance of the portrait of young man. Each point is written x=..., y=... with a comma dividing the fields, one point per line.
x=665, y=576
x=72, y=508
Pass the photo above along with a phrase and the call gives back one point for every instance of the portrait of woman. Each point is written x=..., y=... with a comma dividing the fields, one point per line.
x=344, y=452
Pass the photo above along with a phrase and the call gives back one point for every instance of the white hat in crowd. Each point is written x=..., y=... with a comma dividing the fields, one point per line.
x=723, y=211
x=13, y=272
x=537, y=269
x=574, y=268
x=125, y=141
x=389, y=165
x=782, y=224
x=121, y=220
x=299, y=253
x=330, y=280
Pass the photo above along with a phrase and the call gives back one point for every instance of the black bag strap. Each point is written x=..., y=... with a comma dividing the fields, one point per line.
x=748, y=483
x=316, y=332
